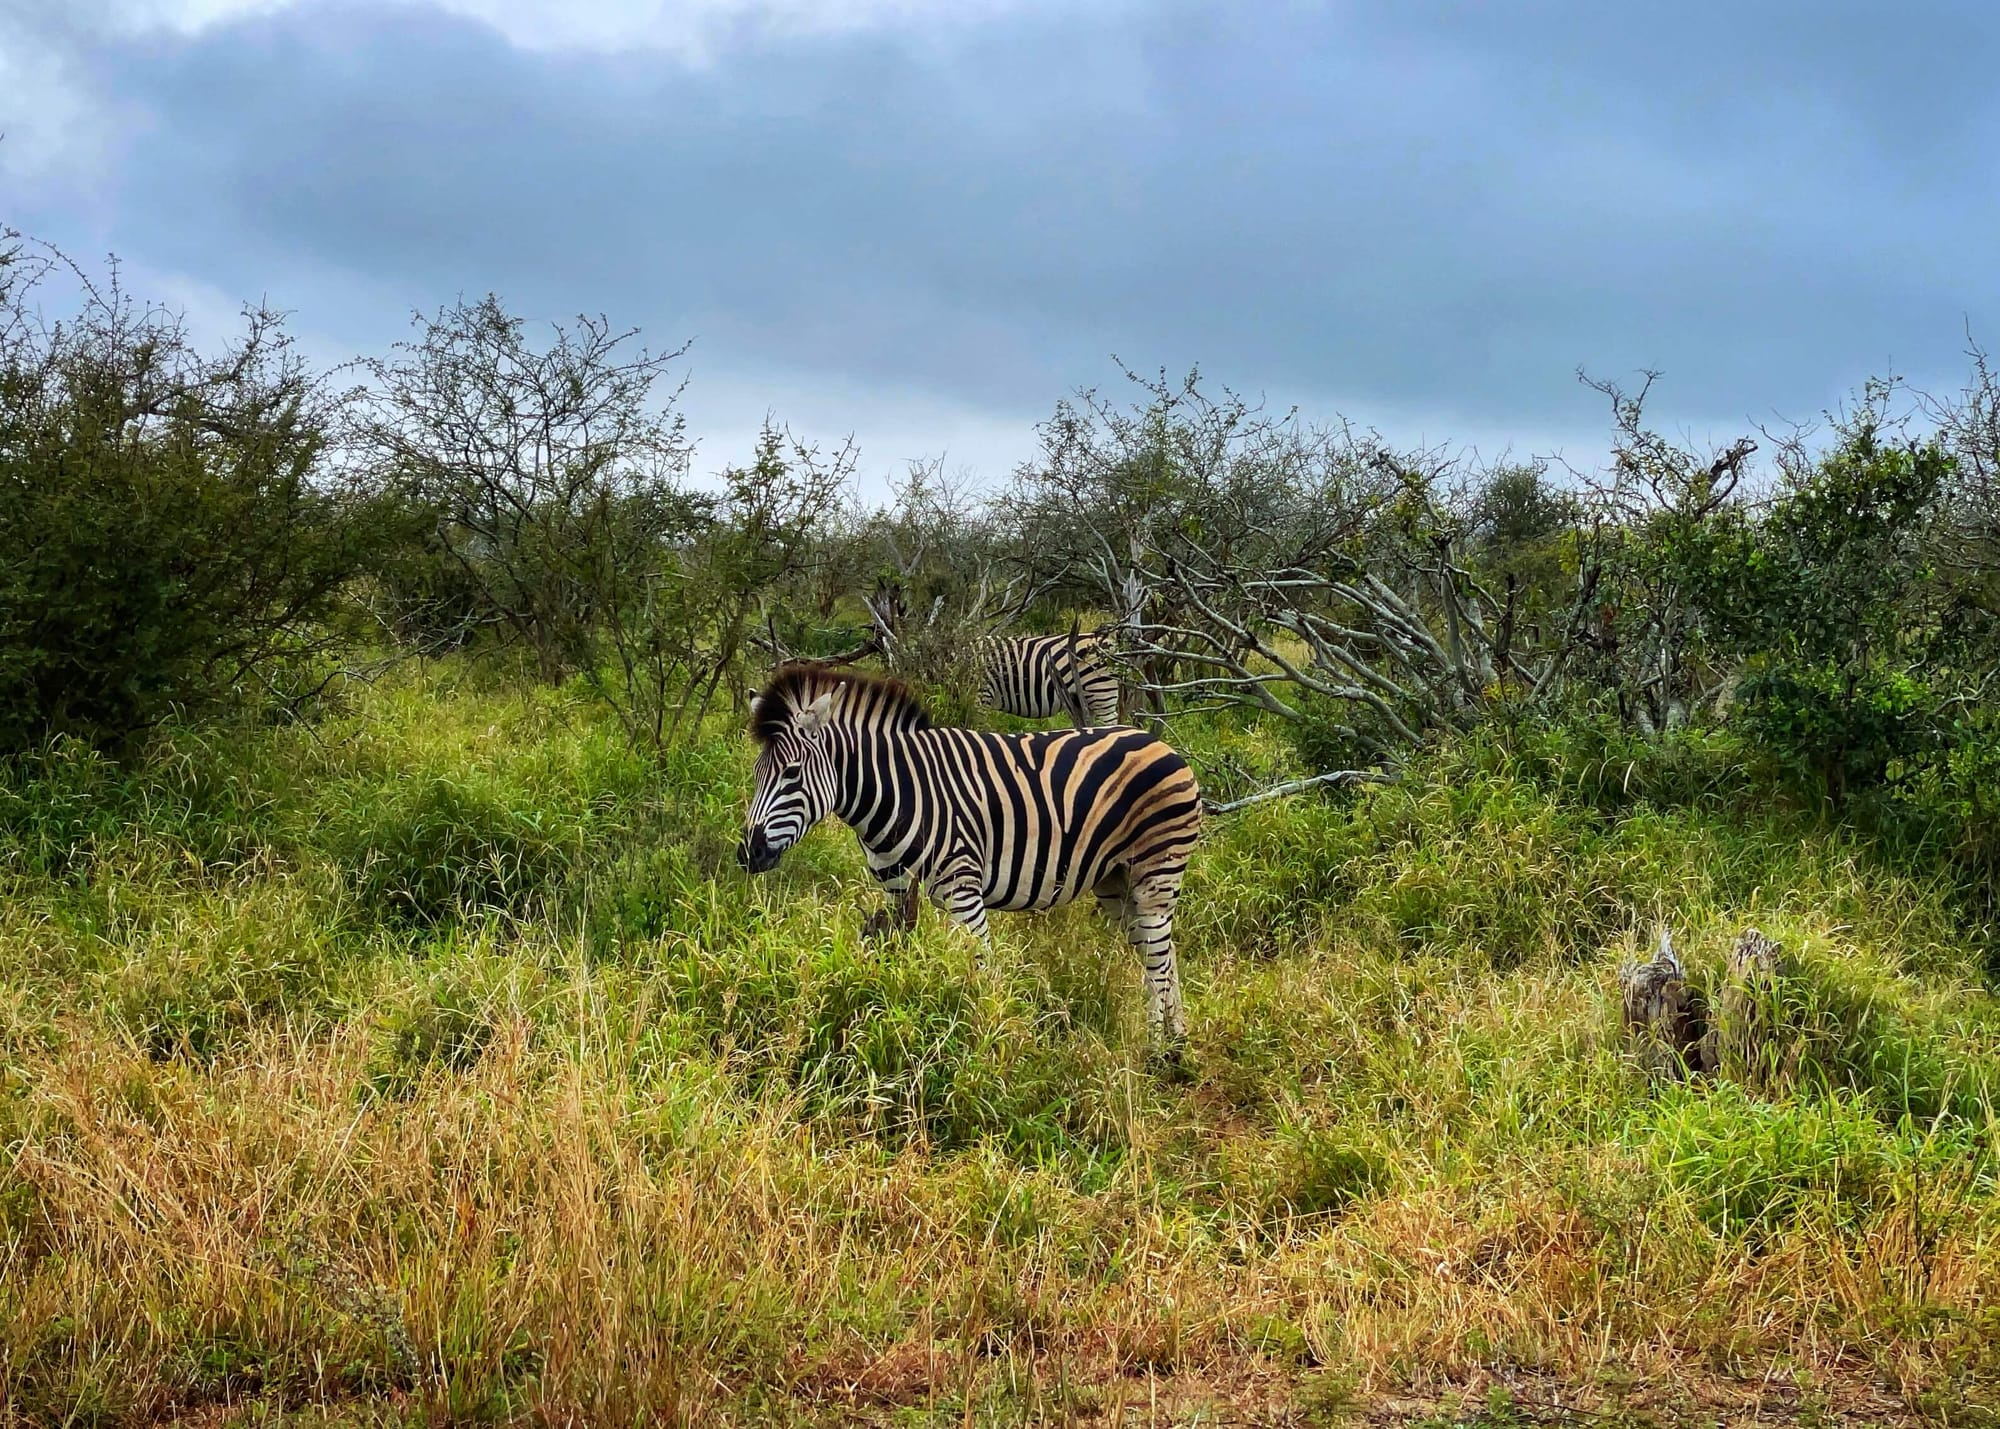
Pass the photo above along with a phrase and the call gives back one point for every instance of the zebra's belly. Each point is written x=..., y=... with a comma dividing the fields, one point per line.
x=1000, y=889
x=1027, y=708
x=1008, y=891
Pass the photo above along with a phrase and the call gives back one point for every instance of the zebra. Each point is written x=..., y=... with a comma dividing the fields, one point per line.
x=981, y=820
x=1035, y=676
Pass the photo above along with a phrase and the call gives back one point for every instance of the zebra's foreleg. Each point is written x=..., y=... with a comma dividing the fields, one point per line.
x=899, y=914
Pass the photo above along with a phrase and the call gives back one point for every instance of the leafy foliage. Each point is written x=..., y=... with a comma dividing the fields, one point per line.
x=174, y=542
x=545, y=471
x=675, y=627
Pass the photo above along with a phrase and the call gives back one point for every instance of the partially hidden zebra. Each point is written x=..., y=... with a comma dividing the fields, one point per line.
x=1036, y=676
x=980, y=820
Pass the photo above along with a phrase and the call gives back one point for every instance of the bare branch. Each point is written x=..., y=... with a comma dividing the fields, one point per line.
x=1329, y=779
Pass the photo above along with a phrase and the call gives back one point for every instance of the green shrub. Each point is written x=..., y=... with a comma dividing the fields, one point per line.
x=424, y=595
x=1825, y=600
x=1331, y=736
x=172, y=543
x=1831, y=731
x=1942, y=809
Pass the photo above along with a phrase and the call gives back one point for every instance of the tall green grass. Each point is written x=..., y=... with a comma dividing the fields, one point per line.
x=436, y=1061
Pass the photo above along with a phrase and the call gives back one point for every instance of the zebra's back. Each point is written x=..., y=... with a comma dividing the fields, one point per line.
x=1050, y=816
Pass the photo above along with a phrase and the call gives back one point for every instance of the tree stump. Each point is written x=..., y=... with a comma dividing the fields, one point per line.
x=1665, y=1018
x=1746, y=1038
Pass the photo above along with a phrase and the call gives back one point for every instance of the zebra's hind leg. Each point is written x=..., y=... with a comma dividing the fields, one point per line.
x=1149, y=924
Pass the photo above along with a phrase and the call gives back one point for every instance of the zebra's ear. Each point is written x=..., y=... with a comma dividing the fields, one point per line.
x=815, y=716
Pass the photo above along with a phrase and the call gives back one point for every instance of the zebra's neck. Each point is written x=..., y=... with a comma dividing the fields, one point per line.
x=870, y=762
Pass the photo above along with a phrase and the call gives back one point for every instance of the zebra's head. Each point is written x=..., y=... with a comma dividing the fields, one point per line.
x=794, y=784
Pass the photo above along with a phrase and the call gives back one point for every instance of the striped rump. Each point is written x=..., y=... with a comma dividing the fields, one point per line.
x=1036, y=676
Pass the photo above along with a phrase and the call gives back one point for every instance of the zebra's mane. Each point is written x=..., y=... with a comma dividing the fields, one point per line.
x=795, y=685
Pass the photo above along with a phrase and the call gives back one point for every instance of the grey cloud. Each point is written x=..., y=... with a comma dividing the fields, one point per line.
x=1428, y=206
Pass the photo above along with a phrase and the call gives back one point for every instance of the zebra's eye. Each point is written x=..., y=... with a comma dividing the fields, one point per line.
x=792, y=773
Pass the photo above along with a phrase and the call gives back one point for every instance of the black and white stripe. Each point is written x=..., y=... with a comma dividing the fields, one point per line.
x=1036, y=676
x=980, y=820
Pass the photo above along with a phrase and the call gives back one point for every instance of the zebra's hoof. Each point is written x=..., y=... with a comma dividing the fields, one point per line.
x=1170, y=1063
x=879, y=925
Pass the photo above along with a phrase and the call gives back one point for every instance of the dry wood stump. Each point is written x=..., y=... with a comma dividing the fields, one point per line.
x=1673, y=1031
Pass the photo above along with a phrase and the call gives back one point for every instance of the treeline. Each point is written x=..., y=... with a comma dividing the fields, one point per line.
x=192, y=532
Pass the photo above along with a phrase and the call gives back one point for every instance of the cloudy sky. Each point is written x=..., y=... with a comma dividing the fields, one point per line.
x=922, y=221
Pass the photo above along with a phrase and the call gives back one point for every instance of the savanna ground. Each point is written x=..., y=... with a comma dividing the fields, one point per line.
x=436, y=1063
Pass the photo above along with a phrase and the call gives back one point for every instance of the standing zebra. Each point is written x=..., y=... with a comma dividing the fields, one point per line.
x=1035, y=676
x=982, y=820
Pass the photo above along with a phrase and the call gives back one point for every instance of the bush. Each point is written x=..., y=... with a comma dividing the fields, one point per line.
x=673, y=632
x=1825, y=601
x=426, y=597
x=170, y=542
x=1831, y=731
x=1943, y=806
x=548, y=472
x=1327, y=736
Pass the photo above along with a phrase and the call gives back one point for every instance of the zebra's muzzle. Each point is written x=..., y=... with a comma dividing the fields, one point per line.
x=756, y=854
